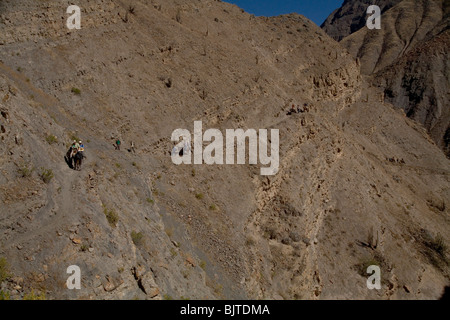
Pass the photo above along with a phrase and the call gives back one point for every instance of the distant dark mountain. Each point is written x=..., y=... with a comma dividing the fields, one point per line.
x=351, y=17
x=408, y=57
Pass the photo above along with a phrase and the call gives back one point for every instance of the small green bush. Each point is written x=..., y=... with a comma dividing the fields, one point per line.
x=218, y=289
x=111, y=216
x=4, y=295
x=34, y=296
x=137, y=237
x=51, y=139
x=438, y=245
x=4, y=269
x=199, y=196
x=46, y=175
x=76, y=91
x=25, y=171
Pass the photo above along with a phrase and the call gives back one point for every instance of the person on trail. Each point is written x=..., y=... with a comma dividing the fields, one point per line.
x=80, y=146
x=118, y=144
x=293, y=109
x=75, y=146
x=174, y=151
x=187, y=147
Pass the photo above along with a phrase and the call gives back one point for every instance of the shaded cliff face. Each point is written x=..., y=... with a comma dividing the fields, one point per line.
x=408, y=58
x=140, y=227
x=404, y=27
x=351, y=17
x=418, y=83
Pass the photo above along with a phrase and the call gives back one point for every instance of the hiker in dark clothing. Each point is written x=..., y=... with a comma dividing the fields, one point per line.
x=292, y=110
x=118, y=144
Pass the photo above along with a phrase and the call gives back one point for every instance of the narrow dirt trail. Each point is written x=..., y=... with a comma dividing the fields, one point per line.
x=58, y=209
x=61, y=193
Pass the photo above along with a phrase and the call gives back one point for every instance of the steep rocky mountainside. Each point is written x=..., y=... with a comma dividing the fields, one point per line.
x=409, y=59
x=419, y=83
x=359, y=183
x=352, y=16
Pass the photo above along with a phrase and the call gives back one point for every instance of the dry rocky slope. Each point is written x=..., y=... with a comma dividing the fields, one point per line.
x=342, y=199
x=408, y=58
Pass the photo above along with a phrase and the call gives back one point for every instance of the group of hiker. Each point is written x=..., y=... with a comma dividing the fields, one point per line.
x=396, y=160
x=298, y=109
x=119, y=143
x=186, y=149
x=75, y=155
